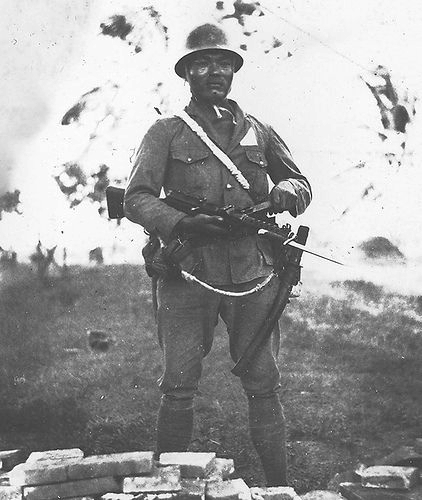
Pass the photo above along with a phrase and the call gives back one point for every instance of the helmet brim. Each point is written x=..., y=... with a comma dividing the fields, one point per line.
x=179, y=67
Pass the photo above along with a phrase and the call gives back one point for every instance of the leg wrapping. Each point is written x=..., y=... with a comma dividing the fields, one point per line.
x=267, y=430
x=174, y=424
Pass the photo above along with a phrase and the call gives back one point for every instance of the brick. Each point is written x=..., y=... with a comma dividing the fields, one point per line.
x=116, y=464
x=192, y=489
x=354, y=491
x=164, y=479
x=82, y=498
x=33, y=474
x=342, y=477
x=10, y=492
x=274, y=493
x=11, y=458
x=61, y=454
x=72, y=489
x=389, y=476
x=405, y=456
x=220, y=469
x=118, y=496
x=46, y=471
x=322, y=495
x=233, y=489
x=192, y=464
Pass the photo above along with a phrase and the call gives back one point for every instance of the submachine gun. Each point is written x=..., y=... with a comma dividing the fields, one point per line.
x=249, y=220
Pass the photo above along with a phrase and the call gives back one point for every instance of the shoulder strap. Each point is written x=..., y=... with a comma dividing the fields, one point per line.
x=200, y=132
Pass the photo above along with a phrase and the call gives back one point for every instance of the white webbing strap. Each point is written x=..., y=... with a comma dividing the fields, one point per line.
x=190, y=277
x=200, y=132
x=237, y=174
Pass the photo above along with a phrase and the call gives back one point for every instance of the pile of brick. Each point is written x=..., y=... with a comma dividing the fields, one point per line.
x=394, y=477
x=67, y=474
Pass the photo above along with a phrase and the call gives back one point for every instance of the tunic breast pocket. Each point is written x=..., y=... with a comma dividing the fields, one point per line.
x=257, y=166
x=188, y=168
x=256, y=156
x=190, y=156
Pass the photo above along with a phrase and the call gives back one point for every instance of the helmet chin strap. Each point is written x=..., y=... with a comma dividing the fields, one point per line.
x=205, y=101
x=219, y=109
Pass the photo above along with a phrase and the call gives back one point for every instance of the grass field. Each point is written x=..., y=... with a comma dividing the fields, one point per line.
x=351, y=362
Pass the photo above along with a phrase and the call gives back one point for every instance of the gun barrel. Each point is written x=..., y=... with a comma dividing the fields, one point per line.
x=261, y=207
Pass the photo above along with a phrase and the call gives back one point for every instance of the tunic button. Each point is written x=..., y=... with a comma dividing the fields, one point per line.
x=229, y=186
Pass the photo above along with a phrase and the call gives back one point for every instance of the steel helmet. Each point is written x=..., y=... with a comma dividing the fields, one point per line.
x=206, y=37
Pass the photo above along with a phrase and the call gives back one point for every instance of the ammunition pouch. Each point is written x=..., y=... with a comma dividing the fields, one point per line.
x=152, y=255
x=163, y=261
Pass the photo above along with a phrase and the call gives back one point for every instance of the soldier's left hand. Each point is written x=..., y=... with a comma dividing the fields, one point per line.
x=283, y=197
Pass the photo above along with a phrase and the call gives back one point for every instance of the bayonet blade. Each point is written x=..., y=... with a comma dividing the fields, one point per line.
x=307, y=250
x=299, y=246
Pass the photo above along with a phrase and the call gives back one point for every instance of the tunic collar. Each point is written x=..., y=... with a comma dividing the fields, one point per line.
x=207, y=117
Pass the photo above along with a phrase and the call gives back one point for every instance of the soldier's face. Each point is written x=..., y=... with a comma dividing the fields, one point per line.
x=210, y=75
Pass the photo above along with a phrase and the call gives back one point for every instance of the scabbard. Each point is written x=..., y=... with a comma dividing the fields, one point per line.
x=287, y=280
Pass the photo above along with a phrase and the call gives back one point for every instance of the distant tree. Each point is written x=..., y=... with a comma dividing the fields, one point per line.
x=9, y=202
x=96, y=256
x=101, y=181
x=43, y=259
x=72, y=180
x=77, y=187
x=8, y=258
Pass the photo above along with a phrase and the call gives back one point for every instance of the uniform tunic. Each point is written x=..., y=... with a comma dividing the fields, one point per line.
x=173, y=157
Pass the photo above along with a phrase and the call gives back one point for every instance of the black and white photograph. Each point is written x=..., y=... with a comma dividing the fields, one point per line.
x=210, y=250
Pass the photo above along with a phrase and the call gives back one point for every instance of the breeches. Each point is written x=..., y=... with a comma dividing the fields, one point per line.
x=187, y=315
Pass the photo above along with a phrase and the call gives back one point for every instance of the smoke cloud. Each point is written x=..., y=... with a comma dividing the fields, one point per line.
x=36, y=41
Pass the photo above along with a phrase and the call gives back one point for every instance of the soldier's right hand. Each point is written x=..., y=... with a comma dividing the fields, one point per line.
x=203, y=224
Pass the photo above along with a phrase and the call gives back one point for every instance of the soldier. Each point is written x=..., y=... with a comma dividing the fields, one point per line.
x=173, y=157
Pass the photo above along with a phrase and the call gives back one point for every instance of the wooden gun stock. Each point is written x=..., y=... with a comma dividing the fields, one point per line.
x=114, y=197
